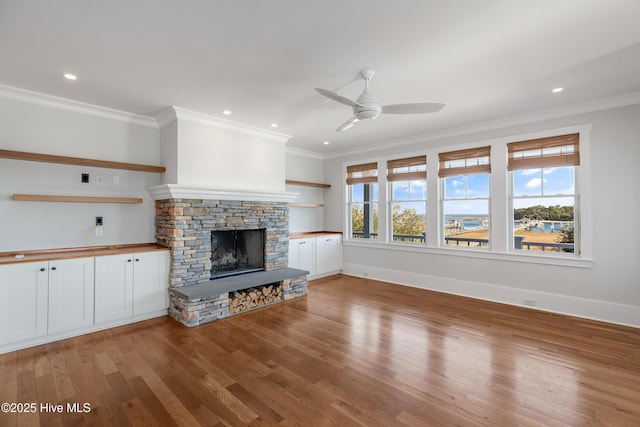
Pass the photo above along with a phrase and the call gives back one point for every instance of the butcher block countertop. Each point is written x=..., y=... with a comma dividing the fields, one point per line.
x=306, y=234
x=81, y=252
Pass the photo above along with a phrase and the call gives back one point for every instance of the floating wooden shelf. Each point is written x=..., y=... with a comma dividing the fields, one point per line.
x=307, y=184
x=306, y=205
x=78, y=161
x=74, y=199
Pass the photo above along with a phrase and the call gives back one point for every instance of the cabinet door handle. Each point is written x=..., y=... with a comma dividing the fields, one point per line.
x=53, y=268
x=128, y=260
x=137, y=259
x=42, y=269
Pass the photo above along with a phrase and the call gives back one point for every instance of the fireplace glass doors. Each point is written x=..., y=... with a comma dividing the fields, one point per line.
x=236, y=252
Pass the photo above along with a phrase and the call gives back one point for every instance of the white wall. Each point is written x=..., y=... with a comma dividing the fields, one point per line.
x=54, y=127
x=209, y=152
x=305, y=166
x=608, y=290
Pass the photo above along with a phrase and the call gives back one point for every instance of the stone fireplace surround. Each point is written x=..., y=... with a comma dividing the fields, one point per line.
x=185, y=225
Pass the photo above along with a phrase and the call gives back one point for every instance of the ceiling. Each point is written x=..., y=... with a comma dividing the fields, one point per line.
x=261, y=59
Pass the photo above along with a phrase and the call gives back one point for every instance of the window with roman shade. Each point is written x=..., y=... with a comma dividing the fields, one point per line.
x=465, y=195
x=464, y=162
x=544, y=194
x=561, y=150
x=407, y=199
x=362, y=181
x=408, y=169
x=364, y=173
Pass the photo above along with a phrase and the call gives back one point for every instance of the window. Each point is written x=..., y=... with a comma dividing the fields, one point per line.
x=362, y=181
x=408, y=198
x=464, y=177
x=543, y=192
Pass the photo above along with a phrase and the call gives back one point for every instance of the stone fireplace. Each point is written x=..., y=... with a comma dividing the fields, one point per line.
x=243, y=190
x=202, y=234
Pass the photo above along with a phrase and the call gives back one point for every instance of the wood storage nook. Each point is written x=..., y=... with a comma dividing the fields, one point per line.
x=248, y=299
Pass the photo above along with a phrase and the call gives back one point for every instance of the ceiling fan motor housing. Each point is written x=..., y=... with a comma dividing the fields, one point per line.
x=368, y=106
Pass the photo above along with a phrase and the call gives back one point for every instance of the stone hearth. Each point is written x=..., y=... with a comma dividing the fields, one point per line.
x=185, y=225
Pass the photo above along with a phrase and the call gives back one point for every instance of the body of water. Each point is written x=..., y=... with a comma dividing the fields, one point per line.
x=472, y=221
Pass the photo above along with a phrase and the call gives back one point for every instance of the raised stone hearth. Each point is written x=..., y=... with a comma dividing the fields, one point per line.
x=185, y=226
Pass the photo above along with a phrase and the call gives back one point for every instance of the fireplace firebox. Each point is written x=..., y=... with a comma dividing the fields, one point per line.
x=237, y=252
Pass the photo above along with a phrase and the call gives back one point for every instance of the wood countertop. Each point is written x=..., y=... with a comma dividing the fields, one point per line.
x=306, y=234
x=81, y=252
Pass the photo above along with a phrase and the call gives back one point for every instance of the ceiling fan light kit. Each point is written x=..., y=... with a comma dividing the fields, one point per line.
x=367, y=107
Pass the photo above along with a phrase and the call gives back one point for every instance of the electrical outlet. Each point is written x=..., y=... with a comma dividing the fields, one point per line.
x=99, y=221
x=84, y=178
x=99, y=231
x=98, y=179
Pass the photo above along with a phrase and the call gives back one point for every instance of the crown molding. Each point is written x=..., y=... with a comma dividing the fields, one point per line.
x=601, y=104
x=304, y=153
x=64, y=104
x=181, y=114
x=174, y=191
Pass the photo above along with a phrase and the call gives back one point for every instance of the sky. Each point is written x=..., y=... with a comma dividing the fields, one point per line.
x=531, y=187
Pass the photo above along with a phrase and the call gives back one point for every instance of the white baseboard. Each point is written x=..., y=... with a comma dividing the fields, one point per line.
x=621, y=314
x=322, y=275
x=80, y=331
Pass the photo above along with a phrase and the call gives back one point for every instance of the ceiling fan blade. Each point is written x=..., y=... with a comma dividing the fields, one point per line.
x=419, y=108
x=348, y=124
x=336, y=97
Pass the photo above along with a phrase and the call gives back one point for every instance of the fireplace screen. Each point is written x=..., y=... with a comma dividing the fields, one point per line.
x=236, y=252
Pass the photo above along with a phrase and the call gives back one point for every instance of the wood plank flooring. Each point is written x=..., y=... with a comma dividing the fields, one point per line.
x=352, y=352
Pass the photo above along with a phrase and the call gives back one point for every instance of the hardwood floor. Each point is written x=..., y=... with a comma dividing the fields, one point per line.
x=352, y=352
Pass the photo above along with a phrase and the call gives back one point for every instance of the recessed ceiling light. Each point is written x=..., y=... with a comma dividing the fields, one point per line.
x=274, y=125
x=326, y=143
x=558, y=89
x=70, y=76
x=226, y=112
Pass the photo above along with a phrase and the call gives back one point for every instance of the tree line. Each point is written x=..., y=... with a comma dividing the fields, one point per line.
x=545, y=213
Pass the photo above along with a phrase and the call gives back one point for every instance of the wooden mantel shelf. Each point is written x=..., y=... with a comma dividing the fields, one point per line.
x=307, y=184
x=78, y=161
x=76, y=199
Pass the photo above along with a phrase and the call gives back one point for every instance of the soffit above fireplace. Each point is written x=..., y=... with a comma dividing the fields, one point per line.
x=174, y=191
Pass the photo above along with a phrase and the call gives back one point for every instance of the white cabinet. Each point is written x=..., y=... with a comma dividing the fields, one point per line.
x=328, y=254
x=42, y=301
x=70, y=294
x=320, y=256
x=24, y=295
x=131, y=284
x=114, y=287
x=150, y=282
x=302, y=254
x=40, y=298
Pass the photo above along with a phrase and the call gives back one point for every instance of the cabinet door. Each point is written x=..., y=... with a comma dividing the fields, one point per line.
x=70, y=294
x=294, y=254
x=302, y=254
x=150, y=281
x=23, y=301
x=328, y=254
x=333, y=253
x=114, y=287
x=307, y=255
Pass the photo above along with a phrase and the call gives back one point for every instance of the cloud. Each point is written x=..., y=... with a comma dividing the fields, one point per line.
x=535, y=183
x=527, y=172
x=457, y=183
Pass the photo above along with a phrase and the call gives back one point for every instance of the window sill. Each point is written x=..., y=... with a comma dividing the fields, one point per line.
x=564, y=261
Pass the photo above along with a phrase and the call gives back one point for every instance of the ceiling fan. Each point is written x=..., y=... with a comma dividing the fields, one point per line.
x=367, y=107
